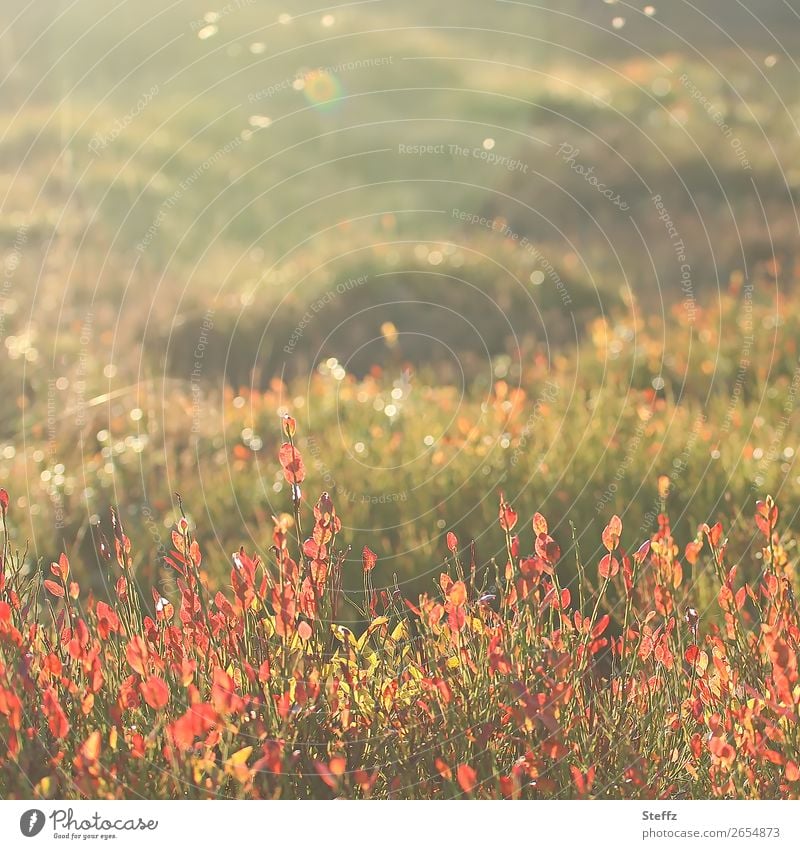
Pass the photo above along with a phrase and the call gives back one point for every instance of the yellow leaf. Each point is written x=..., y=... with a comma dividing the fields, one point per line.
x=240, y=757
x=344, y=635
x=377, y=622
x=373, y=626
x=453, y=663
x=400, y=631
x=91, y=748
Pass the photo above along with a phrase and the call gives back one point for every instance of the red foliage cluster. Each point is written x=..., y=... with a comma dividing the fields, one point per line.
x=511, y=684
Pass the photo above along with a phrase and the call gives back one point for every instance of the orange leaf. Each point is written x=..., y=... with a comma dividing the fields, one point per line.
x=337, y=765
x=54, y=589
x=458, y=594
x=325, y=774
x=612, y=532
x=62, y=567
x=443, y=769
x=155, y=692
x=136, y=654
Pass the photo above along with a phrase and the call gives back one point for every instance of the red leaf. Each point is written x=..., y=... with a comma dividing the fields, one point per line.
x=224, y=698
x=580, y=781
x=608, y=566
x=56, y=718
x=547, y=548
x=54, y=588
x=314, y=550
x=155, y=692
x=641, y=552
x=368, y=558
x=766, y=516
x=467, y=778
x=691, y=654
x=508, y=516
x=452, y=541
x=715, y=534
x=3, y=499
x=539, y=524
x=293, y=468
x=600, y=626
